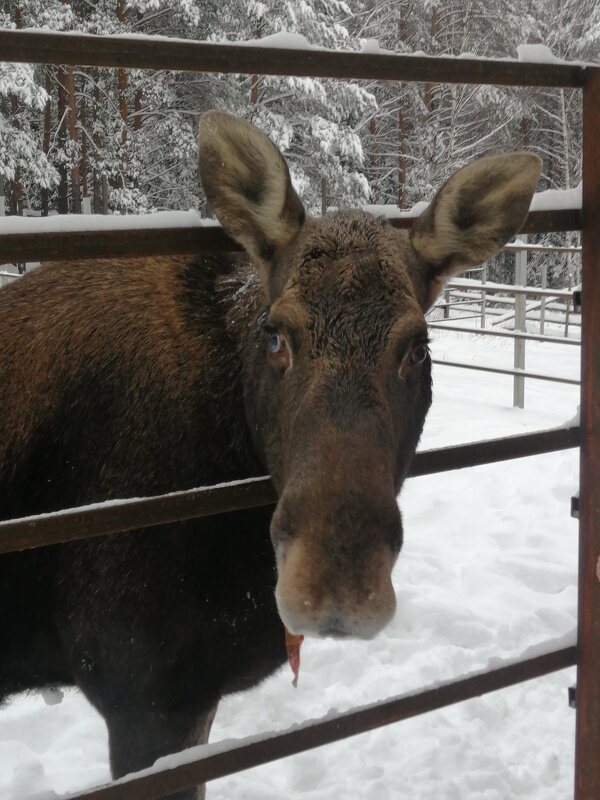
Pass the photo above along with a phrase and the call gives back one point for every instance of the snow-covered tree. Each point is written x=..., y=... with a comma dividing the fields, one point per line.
x=125, y=140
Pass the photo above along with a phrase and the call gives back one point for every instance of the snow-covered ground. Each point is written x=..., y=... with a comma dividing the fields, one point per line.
x=488, y=568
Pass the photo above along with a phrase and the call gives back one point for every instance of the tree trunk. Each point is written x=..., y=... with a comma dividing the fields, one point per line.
x=401, y=159
x=104, y=194
x=373, y=160
x=137, y=108
x=137, y=100
x=123, y=107
x=16, y=189
x=84, y=157
x=254, y=79
x=96, y=179
x=74, y=137
x=63, y=191
x=403, y=37
x=428, y=93
x=46, y=136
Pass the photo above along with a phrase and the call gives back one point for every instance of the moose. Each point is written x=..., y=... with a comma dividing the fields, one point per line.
x=305, y=357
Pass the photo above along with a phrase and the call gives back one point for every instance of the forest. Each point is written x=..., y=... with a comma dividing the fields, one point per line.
x=105, y=141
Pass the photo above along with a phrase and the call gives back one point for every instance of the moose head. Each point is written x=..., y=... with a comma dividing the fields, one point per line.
x=337, y=371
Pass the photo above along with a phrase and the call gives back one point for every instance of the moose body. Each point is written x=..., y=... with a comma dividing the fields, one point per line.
x=306, y=358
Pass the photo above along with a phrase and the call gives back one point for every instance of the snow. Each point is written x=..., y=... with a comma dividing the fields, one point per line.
x=61, y=223
x=557, y=199
x=282, y=40
x=488, y=573
x=394, y=212
x=537, y=54
x=527, y=53
x=133, y=501
x=550, y=200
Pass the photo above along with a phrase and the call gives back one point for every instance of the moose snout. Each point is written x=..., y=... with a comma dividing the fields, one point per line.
x=337, y=582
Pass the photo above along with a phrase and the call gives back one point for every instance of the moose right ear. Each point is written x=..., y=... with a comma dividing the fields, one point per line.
x=248, y=186
x=472, y=216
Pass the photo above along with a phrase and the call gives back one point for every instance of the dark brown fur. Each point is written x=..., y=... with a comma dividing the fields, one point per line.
x=129, y=378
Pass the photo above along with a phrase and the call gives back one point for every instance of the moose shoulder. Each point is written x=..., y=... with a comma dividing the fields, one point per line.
x=307, y=359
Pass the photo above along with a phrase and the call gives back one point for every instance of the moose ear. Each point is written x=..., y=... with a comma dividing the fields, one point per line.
x=473, y=215
x=248, y=186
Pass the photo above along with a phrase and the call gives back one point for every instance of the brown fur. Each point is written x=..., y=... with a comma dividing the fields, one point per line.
x=128, y=378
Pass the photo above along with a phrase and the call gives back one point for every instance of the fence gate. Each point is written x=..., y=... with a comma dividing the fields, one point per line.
x=159, y=54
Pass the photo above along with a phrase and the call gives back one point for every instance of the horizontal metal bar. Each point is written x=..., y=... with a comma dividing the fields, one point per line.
x=100, y=519
x=160, y=53
x=468, y=301
x=462, y=319
x=540, y=248
x=256, y=751
x=473, y=296
x=123, y=515
x=501, y=371
x=534, y=337
x=491, y=451
x=530, y=291
x=72, y=245
x=67, y=246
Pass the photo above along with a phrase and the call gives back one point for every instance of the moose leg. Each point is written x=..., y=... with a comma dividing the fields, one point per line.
x=137, y=738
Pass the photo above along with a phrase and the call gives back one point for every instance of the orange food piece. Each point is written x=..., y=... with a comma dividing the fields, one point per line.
x=293, y=644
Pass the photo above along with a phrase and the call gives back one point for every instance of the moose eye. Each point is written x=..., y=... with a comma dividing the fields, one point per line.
x=275, y=343
x=419, y=354
x=279, y=352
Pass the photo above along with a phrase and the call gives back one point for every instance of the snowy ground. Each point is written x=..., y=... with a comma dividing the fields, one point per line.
x=488, y=569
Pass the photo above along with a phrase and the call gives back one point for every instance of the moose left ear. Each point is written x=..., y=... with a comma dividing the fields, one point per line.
x=248, y=186
x=472, y=216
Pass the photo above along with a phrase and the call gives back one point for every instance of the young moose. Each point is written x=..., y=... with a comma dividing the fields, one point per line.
x=307, y=358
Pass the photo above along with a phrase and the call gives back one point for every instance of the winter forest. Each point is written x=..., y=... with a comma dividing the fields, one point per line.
x=77, y=140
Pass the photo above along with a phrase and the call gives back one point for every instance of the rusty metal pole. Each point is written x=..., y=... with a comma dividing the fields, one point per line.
x=587, y=748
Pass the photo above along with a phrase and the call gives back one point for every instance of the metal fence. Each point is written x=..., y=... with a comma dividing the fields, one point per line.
x=104, y=51
x=465, y=296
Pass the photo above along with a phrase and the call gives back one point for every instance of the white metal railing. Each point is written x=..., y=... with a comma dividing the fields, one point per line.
x=469, y=298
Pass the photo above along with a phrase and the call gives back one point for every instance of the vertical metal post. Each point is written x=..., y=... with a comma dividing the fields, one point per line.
x=568, y=305
x=587, y=747
x=520, y=325
x=543, y=299
x=447, y=304
x=483, y=294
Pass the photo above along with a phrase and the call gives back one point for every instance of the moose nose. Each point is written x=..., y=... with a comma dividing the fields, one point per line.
x=322, y=595
x=338, y=612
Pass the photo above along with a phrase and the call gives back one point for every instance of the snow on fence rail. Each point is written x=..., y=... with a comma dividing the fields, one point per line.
x=40, y=240
x=161, y=53
x=206, y=763
x=117, y=516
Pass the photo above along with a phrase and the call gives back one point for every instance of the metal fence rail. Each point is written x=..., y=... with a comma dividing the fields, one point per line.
x=474, y=293
x=530, y=337
x=42, y=48
x=587, y=745
x=182, y=54
x=151, y=785
x=516, y=372
x=101, y=519
x=171, y=241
